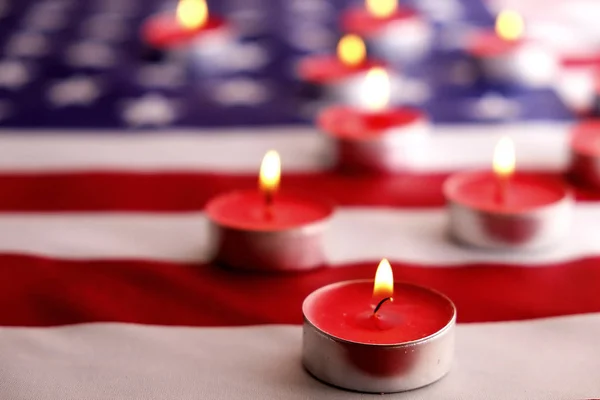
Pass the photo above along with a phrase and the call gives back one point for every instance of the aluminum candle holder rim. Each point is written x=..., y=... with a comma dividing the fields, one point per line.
x=301, y=228
x=451, y=182
x=451, y=322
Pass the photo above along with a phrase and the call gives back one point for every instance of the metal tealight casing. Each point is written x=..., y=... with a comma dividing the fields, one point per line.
x=374, y=368
x=530, y=229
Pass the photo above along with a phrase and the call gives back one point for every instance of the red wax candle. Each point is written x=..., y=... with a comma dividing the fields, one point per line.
x=338, y=77
x=396, y=35
x=351, y=342
x=164, y=31
x=585, y=154
x=517, y=211
x=380, y=141
x=485, y=44
x=361, y=22
x=267, y=231
x=506, y=56
x=325, y=70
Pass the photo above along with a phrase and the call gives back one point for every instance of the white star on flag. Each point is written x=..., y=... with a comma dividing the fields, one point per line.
x=493, y=106
x=150, y=110
x=77, y=90
x=245, y=57
x=91, y=54
x=27, y=44
x=13, y=74
x=107, y=27
x=242, y=92
x=45, y=19
x=161, y=76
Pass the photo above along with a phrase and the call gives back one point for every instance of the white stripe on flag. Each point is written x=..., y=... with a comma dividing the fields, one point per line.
x=543, y=359
x=356, y=234
x=448, y=148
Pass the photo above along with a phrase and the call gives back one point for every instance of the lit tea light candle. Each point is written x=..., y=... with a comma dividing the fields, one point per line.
x=337, y=76
x=378, y=337
x=585, y=154
x=266, y=230
x=191, y=27
x=501, y=209
x=396, y=34
x=506, y=56
x=374, y=138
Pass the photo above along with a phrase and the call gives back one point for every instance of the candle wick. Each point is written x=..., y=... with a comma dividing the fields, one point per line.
x=381, y=303
x=502, y=183
x=269, y=200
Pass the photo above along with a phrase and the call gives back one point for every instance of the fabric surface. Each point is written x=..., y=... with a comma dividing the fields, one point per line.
x=113, y=235
x=107, y=290
x=537, y=360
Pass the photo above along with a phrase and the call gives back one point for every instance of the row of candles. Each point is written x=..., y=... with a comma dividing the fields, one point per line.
x=383, y=336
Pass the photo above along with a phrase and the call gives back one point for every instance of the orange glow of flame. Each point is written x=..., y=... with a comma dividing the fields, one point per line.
x=384, y=280
x=381, y=8
x=192, y=14
x=270, y=172
x=504, y=158
x=376, y=89
x=509, y=25
x=351, y=50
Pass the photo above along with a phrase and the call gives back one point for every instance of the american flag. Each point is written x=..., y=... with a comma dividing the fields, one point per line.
x=106, y=163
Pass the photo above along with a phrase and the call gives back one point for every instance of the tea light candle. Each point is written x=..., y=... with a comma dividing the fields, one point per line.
x=264, y=230
x=503, y=210
x=379, y=337
x=376, y=139
x=397, y=35
x=585, y=154
x=505, y=56
x=337, y=78
x=190, y=29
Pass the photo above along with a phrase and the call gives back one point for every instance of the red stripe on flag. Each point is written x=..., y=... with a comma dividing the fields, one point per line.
x=43, y=292
x=190, y=191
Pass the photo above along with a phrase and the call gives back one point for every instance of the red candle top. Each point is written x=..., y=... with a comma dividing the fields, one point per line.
x=247, y=210
x=585, y=138
x=365, y=23
x=523, y=192
x=345, y=310
x=353, y=123
x=166, y=31
x=489, y=44
x=505, y=39
x=324, y=69
x=261, y=210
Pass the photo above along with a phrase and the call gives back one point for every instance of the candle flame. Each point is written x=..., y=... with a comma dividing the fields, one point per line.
x=270, y=172
x=384, y=280
x=504, y=157
x=381, y=8
x=351, y=50
x=510, y=25
x=192, y=14
x=376, y=89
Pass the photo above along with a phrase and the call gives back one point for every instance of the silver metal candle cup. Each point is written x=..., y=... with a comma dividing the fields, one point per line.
x=530, y=229
x=350, y=90
x=393, y=150
x=403, y=41
x=372, y=368
x=298, y=248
